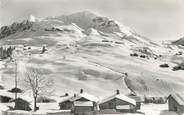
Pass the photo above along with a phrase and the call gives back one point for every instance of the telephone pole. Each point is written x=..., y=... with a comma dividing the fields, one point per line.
x=15, y=78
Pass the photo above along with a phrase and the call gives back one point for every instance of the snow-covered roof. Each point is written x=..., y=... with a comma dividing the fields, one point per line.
x=32, y=18
x=26, y=98
x=83, y=103
x=81, y=95
x=123, y=107
x=7, y=94
x=136, y=98
x=179, y=98
x=86, y=96
x=121, y=97
x=64, y=99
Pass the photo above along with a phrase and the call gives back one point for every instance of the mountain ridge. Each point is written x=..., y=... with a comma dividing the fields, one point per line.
x=84, y=20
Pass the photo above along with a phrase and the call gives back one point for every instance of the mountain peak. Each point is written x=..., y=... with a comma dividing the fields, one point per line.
x=179, y=41
x=87, y=19
x=86, y=13
x=32, y=18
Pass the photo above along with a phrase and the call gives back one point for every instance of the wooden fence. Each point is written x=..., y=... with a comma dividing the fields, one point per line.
x=33, y=113
x=57, y=113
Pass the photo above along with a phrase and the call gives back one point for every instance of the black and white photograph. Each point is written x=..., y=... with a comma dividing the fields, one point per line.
x=91, y=57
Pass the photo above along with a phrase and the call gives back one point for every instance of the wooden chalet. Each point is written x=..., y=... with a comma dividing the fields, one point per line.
x=21, y=104
x=118, y=102
x=5, y=96
x=138, y=100
x=80, y=103
x=176, y=103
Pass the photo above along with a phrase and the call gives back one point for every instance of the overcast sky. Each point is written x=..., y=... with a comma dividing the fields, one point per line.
x=155, y=19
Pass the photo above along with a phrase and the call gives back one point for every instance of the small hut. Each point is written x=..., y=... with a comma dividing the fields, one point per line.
x=5, y=96
x=159, y=100
x=176, y=103
x=138, y=100
x=1, y=87
x=118, y=103
x=156, y=100
x=21, y=104
x=66, y=104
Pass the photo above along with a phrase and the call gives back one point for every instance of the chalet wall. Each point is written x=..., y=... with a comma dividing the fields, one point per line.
x=66, y=105
x=180, y=109
x=112, y=104
x=174, y=106
x=4, y=99
x=108, y=105
x=83, y=109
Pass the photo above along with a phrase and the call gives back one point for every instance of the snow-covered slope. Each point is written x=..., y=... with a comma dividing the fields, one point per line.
x=89, y=51
x=179, y=41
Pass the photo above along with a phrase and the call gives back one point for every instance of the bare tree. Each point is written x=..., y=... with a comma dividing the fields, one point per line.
x=37, y=83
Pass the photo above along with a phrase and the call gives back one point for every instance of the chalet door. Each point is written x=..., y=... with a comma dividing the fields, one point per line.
x=175, y=108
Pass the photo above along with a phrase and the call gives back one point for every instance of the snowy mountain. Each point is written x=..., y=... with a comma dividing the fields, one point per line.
x=87, y=20
x=83, y=20
x=179, y=41
x=88, y=51
x=32, y=18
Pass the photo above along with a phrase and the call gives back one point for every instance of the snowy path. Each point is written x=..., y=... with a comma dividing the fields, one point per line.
x=124, y=83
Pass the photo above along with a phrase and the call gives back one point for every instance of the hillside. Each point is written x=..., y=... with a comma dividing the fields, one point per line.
x=89, y=51
x=179, y=41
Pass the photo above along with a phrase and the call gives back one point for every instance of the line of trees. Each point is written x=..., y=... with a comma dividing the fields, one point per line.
x=6, y=52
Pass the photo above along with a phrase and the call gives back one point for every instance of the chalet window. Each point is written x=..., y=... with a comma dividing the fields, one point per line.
x=110, y=105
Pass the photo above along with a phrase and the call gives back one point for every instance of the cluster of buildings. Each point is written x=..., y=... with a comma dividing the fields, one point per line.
x=20, y=103
x=82, y=103
x=87, y=104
